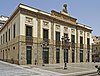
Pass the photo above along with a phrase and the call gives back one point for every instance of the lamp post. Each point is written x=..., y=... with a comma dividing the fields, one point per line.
x=65, y=45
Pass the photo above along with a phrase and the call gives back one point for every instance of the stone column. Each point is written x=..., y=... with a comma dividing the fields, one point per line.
x=54, y=55
x=78, y=55
x=70, y=55
x=85, y=55
x=22, y=53
x=75, y=55
x=39, y=40
x=39, y=55
x=90, y=55
x=51, y=53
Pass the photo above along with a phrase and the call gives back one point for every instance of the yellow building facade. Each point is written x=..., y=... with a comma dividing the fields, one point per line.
x=32, y=36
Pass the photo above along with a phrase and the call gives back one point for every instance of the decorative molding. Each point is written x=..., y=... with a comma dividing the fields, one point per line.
x=88, y=34
x=45, y=24
x=66, y=29
x=57, y=27
x=81, y=32
x=72, y=31
x=28, y=20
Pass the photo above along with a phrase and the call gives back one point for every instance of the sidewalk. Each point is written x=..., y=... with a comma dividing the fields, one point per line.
x=74, y=69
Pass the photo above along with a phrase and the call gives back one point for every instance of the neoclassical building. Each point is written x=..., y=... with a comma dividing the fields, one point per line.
x=32, y=36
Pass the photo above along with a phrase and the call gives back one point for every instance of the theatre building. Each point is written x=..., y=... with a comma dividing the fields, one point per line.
x=32, y=36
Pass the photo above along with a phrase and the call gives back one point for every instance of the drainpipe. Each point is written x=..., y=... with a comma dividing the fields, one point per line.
x=18, y=44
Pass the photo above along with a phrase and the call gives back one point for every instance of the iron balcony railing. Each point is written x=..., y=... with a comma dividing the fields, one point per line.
x=72, y=44
x=29, y=39
x=88, y=46
x=46, y=40
x=58, y=43
x=81, y=46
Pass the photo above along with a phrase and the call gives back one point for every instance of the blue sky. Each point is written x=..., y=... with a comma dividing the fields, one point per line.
x=86, y=11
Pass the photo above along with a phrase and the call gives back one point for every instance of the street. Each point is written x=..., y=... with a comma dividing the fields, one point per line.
x=9, y=70
x=74, y=69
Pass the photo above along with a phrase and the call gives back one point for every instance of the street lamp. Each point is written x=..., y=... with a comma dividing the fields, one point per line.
x=65, y=45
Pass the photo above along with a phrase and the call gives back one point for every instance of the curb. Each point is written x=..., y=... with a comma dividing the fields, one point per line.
x=87, y=73
x=80, y=73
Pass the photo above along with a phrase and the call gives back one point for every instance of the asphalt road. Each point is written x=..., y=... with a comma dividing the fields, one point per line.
x=9, y=70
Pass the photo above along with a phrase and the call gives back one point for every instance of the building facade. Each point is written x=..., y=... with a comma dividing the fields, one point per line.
x=32, y=36
x=96, y=49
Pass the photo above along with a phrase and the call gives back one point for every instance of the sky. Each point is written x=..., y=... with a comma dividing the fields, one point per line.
x=86, y=11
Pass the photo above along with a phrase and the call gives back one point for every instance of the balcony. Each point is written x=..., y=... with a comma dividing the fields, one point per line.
x=81, y=46
x=58, y=43
x=72, y=44
x=29, y=39
x=88, y=46
x=46, y=40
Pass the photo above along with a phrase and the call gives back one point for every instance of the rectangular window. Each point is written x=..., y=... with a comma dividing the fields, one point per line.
x=45, y=35
x=28, y=32
x=3, y=38
x=81, y=55
x=6, y=36
x=14, y=31
x=9, y=34
x=29, y=54
x=57, y=36
x=88, y=41
x=73, y=55
x=81, y=40
x=57, y=55
x=73, y=38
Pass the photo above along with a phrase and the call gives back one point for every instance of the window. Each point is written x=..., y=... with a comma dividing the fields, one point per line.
x=57, y=36
x=73, y=53
x=81, y=40
x=73, y=38
x=3, y=38
x=45, y=35
x=6, y=36
x=29, y=32
x=57, y=55
x=14, y=31
x=88, y=41
x=81, y=55
x=9, y=34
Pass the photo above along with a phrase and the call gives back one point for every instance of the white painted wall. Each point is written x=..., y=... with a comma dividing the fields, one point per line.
x=22, y=24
